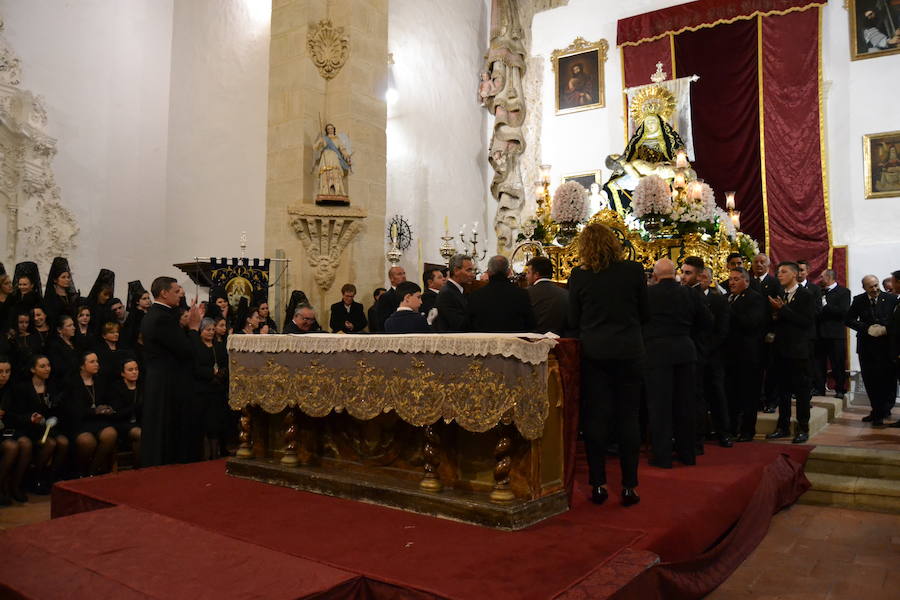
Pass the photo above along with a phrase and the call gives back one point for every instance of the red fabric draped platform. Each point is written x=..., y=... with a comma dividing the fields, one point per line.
x=168, y=530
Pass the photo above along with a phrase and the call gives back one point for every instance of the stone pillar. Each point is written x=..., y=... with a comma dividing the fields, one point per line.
x=354, y=101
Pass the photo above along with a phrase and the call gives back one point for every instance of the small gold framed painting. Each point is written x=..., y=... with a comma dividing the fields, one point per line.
x=579, y=79
x=874, y=28
x=881, y=153
x=585, y=179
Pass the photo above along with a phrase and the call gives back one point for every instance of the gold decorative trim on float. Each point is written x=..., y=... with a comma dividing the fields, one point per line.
x=582, y=46
x=746, y=17
x=714, y=250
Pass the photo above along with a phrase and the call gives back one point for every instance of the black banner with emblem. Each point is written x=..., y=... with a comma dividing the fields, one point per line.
x=240, y=278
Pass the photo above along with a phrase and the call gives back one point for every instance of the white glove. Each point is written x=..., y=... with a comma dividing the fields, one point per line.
x=824, y=300
x=770, y=337
x=432, y=315
x=877, y=330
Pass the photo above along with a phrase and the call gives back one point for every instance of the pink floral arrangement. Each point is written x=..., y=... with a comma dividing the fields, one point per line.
x=570, y=203
x=652, y=195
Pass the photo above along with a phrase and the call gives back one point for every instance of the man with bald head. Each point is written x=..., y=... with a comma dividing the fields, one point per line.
x=762, y=281
x=389, y=301
x=869, y=315
x=675, y=312
x=500, y=306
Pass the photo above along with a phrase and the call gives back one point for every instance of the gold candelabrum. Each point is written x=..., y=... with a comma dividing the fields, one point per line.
x=448, y=248
x=473, y=242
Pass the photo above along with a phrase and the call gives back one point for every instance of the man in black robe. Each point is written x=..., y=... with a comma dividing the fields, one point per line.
x=167, y=363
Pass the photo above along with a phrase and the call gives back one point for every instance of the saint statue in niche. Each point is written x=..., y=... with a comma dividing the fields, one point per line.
x=332, y=163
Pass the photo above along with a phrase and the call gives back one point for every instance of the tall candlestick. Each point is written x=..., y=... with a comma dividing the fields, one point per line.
x=729, y=200
x=446, y=224
x=736, y=219
x=679, y=181
x=681, y=160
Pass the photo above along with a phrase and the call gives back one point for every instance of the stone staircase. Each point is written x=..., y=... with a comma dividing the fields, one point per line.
x=854, y=478
x=824, y=410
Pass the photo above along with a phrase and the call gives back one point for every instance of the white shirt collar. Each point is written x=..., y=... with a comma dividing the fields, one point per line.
x=540, y=280
x=399, y=308
x=459, y=287
x=832, y=286
x=792, y=290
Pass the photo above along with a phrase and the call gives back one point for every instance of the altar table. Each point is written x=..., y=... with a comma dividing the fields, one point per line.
x=473, y=427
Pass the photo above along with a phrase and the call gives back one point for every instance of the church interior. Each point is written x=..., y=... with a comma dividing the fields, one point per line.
x=272, y=157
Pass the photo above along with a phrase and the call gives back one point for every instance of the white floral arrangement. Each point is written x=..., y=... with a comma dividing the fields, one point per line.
x=725, y=222
x=570, y=203
x=688, y=209
x=652, y=195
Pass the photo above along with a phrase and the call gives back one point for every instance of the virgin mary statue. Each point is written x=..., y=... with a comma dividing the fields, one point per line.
x=332, y=161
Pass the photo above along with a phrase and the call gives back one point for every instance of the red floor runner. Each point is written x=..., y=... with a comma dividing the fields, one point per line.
x=683, y=512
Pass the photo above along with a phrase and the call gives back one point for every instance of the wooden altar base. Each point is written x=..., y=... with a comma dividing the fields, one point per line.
x=377, y=488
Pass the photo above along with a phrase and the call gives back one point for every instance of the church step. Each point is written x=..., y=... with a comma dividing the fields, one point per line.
x=855, y=462
x=855, y=493
x=834, y=406
x=766, y=422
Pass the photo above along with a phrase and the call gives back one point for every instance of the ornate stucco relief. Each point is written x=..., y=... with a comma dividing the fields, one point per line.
x=38, y=226
x=324, y=233
x=329, y=48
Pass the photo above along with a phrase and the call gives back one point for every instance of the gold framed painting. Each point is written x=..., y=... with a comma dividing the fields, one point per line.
x=881, y=155
x=874, y=28
x=579, y=77
x=585, y=179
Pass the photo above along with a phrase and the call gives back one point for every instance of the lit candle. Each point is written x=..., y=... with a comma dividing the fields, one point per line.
x=736, y=219
x=681, y=159
x=679, y=181
x=393, y=232
x=446, y=225
x=729, y=200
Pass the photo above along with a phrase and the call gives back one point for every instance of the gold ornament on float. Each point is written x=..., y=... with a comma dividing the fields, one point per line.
x=652, y=100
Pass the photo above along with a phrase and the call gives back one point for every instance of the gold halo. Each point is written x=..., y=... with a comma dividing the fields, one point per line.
x=652, y=100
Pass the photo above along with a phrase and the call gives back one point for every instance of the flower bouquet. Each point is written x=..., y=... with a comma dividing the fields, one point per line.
x=570, y=207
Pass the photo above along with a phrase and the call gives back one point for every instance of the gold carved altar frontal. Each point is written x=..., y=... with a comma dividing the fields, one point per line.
x=476, y=392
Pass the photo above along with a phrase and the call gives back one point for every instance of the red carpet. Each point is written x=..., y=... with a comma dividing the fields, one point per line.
x=588, y=552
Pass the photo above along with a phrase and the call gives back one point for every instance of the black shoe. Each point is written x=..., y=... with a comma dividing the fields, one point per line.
x=41, y=488
x=839, y=395
x=655, y=463
x=879, y=422
x=778, y=434
x=689, y=461
x=744, y=438
x=770, y=409
x=726, y=442
x=801, y=438
x=818, y=392
x=599, y=494
x=868, y=418
x=19, y=496
x=630, y=497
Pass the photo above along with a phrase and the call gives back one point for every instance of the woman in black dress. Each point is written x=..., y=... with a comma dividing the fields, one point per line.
x=16, y=447
x=62, y=351
x=266, y=319
x=27, y=282
x=25, y=344
x=126, y=401
x=88, y=413
x=210, y=377
x=36, y=410
x=60, y=296
x=221, y=329
x=109, y=353
x=99, y=300
x=84, y=337
x=138, y=303
x=6, y=302
x=40, y=325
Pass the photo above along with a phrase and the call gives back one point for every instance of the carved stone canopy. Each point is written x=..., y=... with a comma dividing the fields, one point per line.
x=329, y=48
x=324, y=233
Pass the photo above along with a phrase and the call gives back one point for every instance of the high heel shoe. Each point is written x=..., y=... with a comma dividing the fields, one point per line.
x=599, y=495
x=630, y=497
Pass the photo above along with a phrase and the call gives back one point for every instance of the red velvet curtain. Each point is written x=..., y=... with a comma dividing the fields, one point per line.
x=725, y=114
x=766, y=146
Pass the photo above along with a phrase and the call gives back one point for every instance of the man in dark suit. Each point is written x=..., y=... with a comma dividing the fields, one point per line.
x=451, y=301
x=373, y=310
x=869, y=315
x=433, y=278
x=549, y=301
x=743, y=353
x=816, y=293
x=735, y=261
x=691, y=268
x=304, y=321
x=793, y=315
x=501, y=306
x=389, y=301
x=675, y=312
x=348, y=316
x=407, y=318
x=831, y=342
x=767, y=285
x=168, y=360
x=713, y=342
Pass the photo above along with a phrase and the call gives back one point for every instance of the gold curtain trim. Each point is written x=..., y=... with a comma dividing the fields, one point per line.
x=624, y=95
x=823, y=151
x=762, y=130
x=476, y=398
x=747, y=17
x=672, y=53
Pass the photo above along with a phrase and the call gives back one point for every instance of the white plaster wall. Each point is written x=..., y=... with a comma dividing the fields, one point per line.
x=160, y=112
x=103, y=68
x=436, y=130
x=216, y=174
